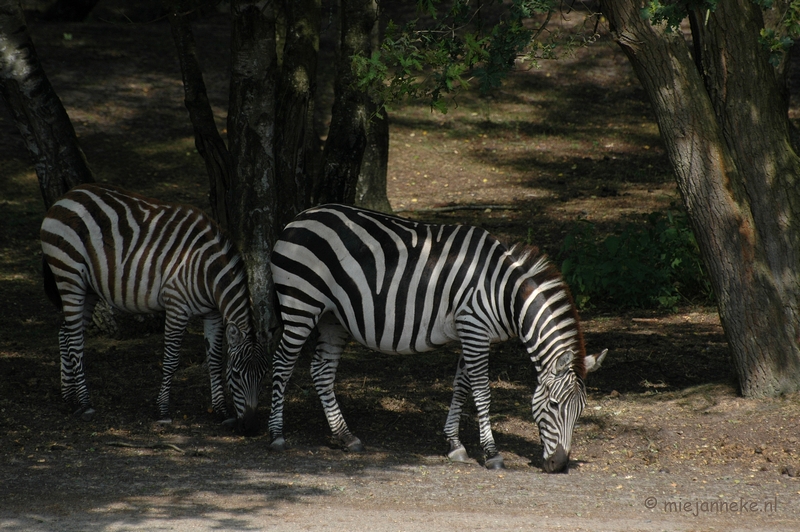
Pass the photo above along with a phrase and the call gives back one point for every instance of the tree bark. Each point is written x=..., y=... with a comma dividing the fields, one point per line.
x=371, y=186
x=207, y=139
x=728, y=138
x=347, y=136
x=39, y=115
x=297, y=149
x=251, y=201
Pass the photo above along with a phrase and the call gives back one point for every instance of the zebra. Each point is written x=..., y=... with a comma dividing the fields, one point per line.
x=144, y=256
x=399, y=286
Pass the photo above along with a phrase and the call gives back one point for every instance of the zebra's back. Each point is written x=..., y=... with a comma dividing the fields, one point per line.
x=132, y=251
x=396, y=285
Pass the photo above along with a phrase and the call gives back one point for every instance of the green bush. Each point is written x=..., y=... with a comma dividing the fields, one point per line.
x=650, y=263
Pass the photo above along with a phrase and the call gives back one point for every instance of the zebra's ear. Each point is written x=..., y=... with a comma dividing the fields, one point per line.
x=564, y=362
x=593, y=362
x=234, y=335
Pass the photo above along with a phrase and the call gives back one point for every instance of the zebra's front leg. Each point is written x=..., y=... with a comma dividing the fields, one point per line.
x=212, y=333
x=457, y=452
x=477, y=369
x=174, y=329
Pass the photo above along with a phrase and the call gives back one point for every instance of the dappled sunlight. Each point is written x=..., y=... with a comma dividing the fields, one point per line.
x=542, y=151
x=653, y=352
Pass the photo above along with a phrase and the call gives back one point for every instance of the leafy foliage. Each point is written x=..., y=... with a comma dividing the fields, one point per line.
x=672, y=12
x=651, y=263
x=443, y=51
x=779, y=42
x=776, y=42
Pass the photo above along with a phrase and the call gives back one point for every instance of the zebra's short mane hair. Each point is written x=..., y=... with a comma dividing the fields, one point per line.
x=541, y=269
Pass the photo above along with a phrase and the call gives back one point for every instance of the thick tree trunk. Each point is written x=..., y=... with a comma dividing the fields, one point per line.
x=39, y=115
x=207, y=139
x=347, y=136
x=251, y=201
x=728, y=138
x=297, y=149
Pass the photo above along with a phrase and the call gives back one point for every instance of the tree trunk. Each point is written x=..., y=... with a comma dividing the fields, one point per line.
x=297, y=149
x=207, y=139
x=347, y=136
x=371, y=187
x=39, y=115
x=252, y=195
x=728, y=138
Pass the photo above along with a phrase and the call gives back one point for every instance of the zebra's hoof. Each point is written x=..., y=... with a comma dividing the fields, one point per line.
x=459, y=454
x=229, y=423
x=495, y=462
x=356, y=447
x=349, y=443
x=278, y=444
x=86, y=414
x=164, y=421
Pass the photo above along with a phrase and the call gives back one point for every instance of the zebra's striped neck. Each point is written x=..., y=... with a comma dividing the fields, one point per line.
x=540, y=310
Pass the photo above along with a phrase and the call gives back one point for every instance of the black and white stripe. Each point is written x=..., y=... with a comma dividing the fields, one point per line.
x=143, y=256
x=399, y=286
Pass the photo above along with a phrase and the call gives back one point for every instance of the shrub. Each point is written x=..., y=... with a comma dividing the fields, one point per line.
x=650, y=263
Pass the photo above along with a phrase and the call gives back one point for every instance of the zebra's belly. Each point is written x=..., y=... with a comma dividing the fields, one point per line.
x=134, y=305
x=408, y=340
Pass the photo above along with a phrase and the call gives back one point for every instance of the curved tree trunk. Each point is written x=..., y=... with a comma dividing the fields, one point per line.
x=728, y=137
x=207, y=139
x=39, y=115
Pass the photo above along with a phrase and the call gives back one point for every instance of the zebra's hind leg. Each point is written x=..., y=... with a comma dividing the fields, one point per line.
x=332, y=339
x=73, y=377
x=323, y=372
x=71, y=346
x=283, y=364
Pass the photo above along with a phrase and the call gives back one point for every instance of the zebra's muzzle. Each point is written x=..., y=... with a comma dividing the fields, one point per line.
x=248, y=424
x=557, y=462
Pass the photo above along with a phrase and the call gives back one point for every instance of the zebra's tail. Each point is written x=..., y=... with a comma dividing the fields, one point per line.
x=50, y=287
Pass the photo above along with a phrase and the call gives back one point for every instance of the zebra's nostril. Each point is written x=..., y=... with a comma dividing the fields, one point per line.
x=557, y=462
x=248, y=424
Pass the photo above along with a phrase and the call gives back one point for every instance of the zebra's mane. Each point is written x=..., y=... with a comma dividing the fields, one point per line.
x=541, y=270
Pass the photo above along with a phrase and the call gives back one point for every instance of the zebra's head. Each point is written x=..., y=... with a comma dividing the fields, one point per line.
x=247, y=366
x=557, y=403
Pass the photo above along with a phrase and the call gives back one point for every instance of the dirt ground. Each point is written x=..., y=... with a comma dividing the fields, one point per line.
x=665, y=442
